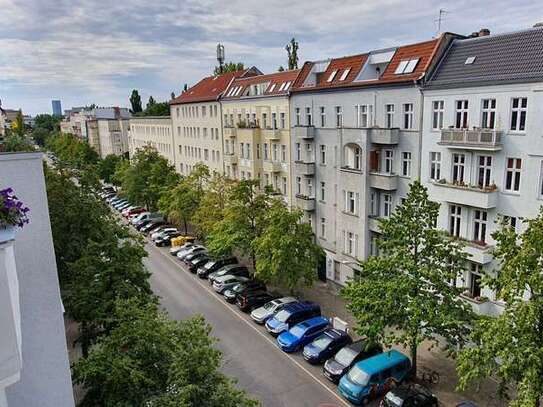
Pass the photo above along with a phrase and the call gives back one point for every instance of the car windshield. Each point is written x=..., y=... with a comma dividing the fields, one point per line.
x=393, y=400
x=238, y=287
x=322, y=342
x=297, y=331
x=221, y=272
x=269, y=306
x=209, y=264
x=358, y=376
x=282, y=316
x=345, y=356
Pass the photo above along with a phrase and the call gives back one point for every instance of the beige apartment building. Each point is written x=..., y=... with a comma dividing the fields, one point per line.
x=197, y=123
x=257, y=130
x=154, y=131
x=113, y=136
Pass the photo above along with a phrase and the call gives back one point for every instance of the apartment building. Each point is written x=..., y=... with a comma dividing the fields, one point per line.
x=482, y=151
x=256, y=130
x=34, y=366
x=154, y=131
x=197, y=122
x=356, y=130
x=113, y=136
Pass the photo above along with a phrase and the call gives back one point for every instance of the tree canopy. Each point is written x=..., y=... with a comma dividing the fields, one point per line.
x=135, y=102
x=229, y=67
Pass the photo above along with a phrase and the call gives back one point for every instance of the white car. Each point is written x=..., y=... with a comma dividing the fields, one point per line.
x=183, y=253
x=261, y=314
x=176, y=249
x=157, y=234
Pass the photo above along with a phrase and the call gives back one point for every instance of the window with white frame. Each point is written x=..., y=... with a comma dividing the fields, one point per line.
x=374, y=248
x=488, y=113
x=351, y=202
x=435, y=166
x=339, y=116
x=298, y=152
x=285, y=186
x=283, y=120
x=519, y=108
x=323, y=227
x=298, y=185
x=480, y=218
x=408, y=114
x=374, y=204
x=366, y=113
x=274, y=151
x=323, y=154
x=323, y=191
x=350, y=243
x=461, y=121
x=344, y=74
x=475, y=282
x=242, y=150
x=406, y=164
x=459, y=165
x=308, y=117
x=353, y=157
x=332, y=76
x=510, y=221
x=264, y=120
x=387, y=205
x=540, y=189
x=455, y=220
x=298, y=116
x=309, y=185
x=389, y=161
x=484, y=172
x=283, y=153
x=512, y=174
x=389, y=115
x=323, y=116
x=266, y=151
x=274, y=120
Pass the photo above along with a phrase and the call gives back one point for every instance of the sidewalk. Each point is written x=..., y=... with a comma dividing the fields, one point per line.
x=327, y=295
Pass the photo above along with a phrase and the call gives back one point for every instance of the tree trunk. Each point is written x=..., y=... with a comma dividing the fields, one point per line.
x=413, y=373
x=185, y=222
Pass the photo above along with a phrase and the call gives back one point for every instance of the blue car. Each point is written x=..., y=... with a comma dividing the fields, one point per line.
x=290, y=315
x=372, y=377
x=326, y=345
x=301, y=334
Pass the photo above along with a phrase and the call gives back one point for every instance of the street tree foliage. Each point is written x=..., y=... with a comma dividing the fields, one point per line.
x=14, y=142
x=108, y=166
x=404, y=295
x=45, y=126
x=292, y=52
x=286, y=252
x=146, y=178
x=18, y=125
x=229, y=67
x=510, y=347
x=155, y=108
x=148, y=359
x=72, y=151
x=135, y=102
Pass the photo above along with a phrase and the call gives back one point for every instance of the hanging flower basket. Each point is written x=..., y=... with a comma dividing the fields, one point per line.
x=13, y=214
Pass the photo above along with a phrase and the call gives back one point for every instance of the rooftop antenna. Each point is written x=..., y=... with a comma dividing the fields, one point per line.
x=440, y=19
x=220, y=57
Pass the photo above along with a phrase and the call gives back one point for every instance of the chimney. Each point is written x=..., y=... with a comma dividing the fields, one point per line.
x=483, y=32
x=538, y=25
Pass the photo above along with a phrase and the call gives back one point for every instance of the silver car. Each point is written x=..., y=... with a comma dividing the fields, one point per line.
x=260, y=315
x=226, y=282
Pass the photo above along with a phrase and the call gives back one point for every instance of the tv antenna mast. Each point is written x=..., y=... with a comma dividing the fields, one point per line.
x=440, y=19
x=220, y=57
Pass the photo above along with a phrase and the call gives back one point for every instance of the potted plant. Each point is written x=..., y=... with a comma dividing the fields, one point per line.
x=12, y=214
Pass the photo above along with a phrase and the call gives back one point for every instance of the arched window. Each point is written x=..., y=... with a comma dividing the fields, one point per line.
x=353, y=157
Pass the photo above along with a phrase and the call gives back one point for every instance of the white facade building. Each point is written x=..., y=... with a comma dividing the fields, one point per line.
x=152, y=131
x=113, y=136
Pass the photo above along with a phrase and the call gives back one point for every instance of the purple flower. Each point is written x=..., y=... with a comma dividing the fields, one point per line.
x=12, y=211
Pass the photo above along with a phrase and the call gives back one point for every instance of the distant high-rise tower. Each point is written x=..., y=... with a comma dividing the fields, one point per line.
x=57, y=108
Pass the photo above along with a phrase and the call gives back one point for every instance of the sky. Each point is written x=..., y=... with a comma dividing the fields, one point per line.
x=91, y=51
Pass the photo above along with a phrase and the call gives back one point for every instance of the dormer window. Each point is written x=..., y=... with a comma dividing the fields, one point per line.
x=332, y=76
x=344, y=74
x=406, y=66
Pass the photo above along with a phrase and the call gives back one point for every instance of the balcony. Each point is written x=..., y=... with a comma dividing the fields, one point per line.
x=485, y=198
x=373, y=224
x=229, y=132
x=478, y=253
x=271, y=134
x=384, y=181
x=475, y=139
x=384, y=135
x=271, y=166
x=248, y=132
x=305, y=203
x=304, y=132
x=349, y=170
x=305, y=168
x=230, y=158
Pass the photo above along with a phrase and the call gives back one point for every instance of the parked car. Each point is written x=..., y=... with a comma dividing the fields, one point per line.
x=166, y=240
x=372, y=377
x=193, y=249
x=231, y=294
x=123, y=206
x=291, y=315
x=301, y=334
x=152, y=225
x=163, y=232
x=199, y=259
x=261, y=314
x=229, y=269
x=253, y=299
x=139, y=225
x=326, y=345
x=466, y=403
x=176, y=249
x=226, y=282
x=346, y=357
x=147, y=216
x=131, y=209
x=138, y=217
x=122, y=202
x=409, y=395
x=214, y=265
x=134, y=212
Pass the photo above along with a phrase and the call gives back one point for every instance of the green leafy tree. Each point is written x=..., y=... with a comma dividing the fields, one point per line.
x=280, y=69
x=292, y=51
x=510, y=347
x=158, y=109
x=72, y=151
x=150, y=103
x=135, y=102
x=286, y=252
x=108, y=166
x=229, y=67
x=405, y=295
x=40, y=135
x=14, y=142
x=48, y=122
x=18, y=125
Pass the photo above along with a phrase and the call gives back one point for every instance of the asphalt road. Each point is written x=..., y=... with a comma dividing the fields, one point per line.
x=250, y=353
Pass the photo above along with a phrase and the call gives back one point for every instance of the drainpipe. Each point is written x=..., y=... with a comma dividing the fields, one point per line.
x=421, y=117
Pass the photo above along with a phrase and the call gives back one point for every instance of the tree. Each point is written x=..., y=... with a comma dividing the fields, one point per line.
x=150, y=103
x=107, y=167
x=47, y=122
x=172, y=95
x=510, y=347
x=244, y=221
x=135, y=102
x=15, y=142
x=158, y=109
x=286, y=252
x=229, y=67
x=72, y=151
x=280, y=69
x=405, y=295
x=185, y=87
x=18, y=125
x=292, y=51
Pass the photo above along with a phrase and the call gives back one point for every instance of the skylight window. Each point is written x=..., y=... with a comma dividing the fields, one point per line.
x=282, y=86
x=401, y=67
x=332, y=76
x=470, y=60
x=344, y=74
x=238, y=90
x=230, y=92
x=272, y=87
x=406, y=66
x=287, y=85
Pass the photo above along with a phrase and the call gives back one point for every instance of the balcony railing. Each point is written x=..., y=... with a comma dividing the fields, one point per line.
x=271, y=134
x=231, y=158
x=305, y=203
x=384, y=181
x=304, y=132
x=229, y=132
x=271, y=166
x=476, y=139
x=384, y=135
x=469, y=195
x=305, y=168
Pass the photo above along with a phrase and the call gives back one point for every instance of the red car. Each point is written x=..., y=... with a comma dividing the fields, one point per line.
x=134, y=211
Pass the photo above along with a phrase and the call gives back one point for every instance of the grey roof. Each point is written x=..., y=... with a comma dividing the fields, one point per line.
x=503, y=58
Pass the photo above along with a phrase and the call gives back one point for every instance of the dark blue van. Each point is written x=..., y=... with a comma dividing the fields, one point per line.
x=291, y=315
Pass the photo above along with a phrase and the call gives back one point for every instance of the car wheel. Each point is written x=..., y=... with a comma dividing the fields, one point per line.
x=365, y=401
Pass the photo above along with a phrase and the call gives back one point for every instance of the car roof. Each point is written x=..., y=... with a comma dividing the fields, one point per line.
x=300, y=306
x=335, y=333
x=382, y=361
x=407, y=390
x=359, y=345
x=315, y=321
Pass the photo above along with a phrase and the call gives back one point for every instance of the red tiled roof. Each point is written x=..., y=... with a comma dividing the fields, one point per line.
x=275, y=82
x=208, y=89
x=424, y=50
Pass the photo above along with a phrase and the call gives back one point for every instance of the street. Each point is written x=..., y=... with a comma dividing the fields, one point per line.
x=250, y=353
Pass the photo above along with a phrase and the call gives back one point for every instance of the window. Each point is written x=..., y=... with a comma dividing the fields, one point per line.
x=479, y=225
x=323, y=116
x=283, y=153
x=408, y=115
x=389, y=161
x=298, y=185
x=283, y=122
x=350, y=202
x=406, y=66
x=298, y=152
x=512, y=174
x=266, y=152
x=344, y=74
x=484, y=171
x=435, y=166
x=455, y=218
x=323, y=154
x=298, y=114
x=242, y=150
x=488, y=118
x=258, y=151
x=406, y=164
x=272, y=87
x=323, y=191
x=350, y=243
x=274, y=120
x=365, y=115
x=469, y=60
x=459, y=162
x=203, y=111
x=274, y=152
x=309, y=184
x=461, y=114
x=284, y=185
x=332, y=76
x=475, y=280
x=339, y=116
x=387, y=205
x=264, y=120
x=374, y=208
x=510, y=221
x=374, y=248
x=308, y=117
x=323, y=227
x=541, y=181
x=519, y=108
x=389, y=116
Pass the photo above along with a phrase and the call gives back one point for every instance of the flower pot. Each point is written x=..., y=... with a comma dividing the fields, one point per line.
x=7, y=233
